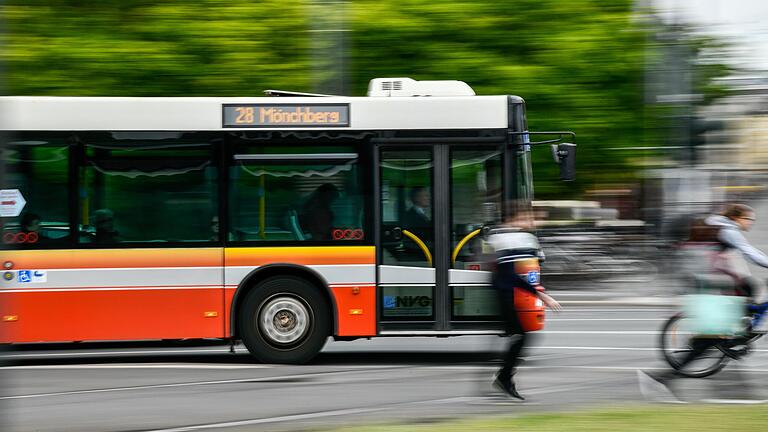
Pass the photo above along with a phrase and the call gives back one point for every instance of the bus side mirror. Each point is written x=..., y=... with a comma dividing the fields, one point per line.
x=565, y=156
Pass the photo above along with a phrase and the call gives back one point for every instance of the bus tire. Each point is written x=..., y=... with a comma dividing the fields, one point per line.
x=284, y=319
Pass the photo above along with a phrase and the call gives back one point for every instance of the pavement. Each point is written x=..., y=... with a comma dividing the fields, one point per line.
x=586, y=358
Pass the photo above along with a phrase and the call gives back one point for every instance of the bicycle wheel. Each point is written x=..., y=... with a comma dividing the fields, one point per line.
x=675, y=344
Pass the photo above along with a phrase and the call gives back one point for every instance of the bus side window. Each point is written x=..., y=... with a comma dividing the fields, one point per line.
x=295, y=194
x=148, y=188
x=36, y=169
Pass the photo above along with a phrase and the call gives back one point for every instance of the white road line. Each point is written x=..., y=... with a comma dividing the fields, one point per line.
x=735, y=401
x=595, y=368
x=603, y=332
x=230, y=366
x=577, y=309
x=614, y=295
x=154, y=386
x=197, y=383
x=600, y=348
x=606, y=319
x=144, y=366
x=404, y=348
x=144, y=387
x=148, y=351
x=594, y=348
x=307, y=416
x=294, y=417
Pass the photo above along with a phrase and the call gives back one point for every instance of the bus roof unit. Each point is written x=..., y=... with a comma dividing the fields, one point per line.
x=385, y=87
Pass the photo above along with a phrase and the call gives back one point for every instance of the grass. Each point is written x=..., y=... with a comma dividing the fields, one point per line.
x=655, y=418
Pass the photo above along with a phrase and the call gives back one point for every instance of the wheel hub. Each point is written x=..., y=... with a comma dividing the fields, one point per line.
x=284, y=320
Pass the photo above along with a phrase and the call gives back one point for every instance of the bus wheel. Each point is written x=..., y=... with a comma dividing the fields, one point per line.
x=284, y=319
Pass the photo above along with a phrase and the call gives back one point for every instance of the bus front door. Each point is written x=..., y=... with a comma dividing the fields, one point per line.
x=433, y=202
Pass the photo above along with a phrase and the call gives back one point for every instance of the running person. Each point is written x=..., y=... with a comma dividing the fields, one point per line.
x=512, y=243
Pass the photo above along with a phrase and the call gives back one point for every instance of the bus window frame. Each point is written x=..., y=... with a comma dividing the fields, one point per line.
x=361, y=144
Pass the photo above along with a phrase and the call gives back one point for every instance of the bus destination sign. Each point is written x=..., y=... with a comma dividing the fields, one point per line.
x=285, y=115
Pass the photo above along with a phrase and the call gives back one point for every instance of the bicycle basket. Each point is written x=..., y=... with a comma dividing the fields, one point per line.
x=714, y=315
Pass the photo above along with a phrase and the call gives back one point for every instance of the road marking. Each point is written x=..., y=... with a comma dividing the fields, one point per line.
x=595, y=368
x=402, y=349
x=144, y=366
x=605, y=332
x=735, y=401
x=599, y=348
x=496, y=367
x=294, y=417
x=149, y=351
x=577, y=309
x=590, y=294
x=193, y=383
x=606, y=319
x=594, y=348
x=308, y=416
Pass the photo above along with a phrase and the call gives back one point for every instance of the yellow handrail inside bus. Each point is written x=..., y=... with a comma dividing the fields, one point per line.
x=421, y=244
x=461, y=244
x=263, y=208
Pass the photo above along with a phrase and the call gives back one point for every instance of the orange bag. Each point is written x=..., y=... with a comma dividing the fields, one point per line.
x=529, y=307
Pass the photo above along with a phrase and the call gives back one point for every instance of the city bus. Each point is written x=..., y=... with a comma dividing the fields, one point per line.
x=278, y=221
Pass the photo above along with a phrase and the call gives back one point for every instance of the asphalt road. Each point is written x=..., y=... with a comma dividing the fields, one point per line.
x=587, y=356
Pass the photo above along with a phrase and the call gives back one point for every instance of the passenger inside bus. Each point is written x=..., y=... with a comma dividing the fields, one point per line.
x=30, y=227
x=316, y=215
x=416, y=219
x=215, y=230
x=30, y=224
x=104, y=222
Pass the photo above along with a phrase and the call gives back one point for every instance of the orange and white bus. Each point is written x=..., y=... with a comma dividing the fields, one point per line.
x=278, y=221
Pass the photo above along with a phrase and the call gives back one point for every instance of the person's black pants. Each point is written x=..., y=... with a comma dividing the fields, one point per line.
x=505, y=279
x=512, y=358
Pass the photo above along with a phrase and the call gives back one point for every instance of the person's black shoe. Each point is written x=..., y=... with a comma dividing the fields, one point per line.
x=508, y=388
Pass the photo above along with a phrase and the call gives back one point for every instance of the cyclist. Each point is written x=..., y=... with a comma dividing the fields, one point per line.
x=729, y=224
x=726, y=229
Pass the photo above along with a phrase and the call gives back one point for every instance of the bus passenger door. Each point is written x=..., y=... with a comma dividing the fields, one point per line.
x=406, y=270
x=433, y=270
x=476, y=202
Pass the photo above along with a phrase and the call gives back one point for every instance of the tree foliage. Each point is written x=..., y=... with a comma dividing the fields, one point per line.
x=578, y=63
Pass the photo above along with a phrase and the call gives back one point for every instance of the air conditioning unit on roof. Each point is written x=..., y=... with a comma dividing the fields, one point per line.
x=390, y=87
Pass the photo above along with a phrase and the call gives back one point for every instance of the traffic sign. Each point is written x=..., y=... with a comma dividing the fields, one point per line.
x=11, y=202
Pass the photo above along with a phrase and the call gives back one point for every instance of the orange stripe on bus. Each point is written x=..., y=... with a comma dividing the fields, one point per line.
x=111, y=315
x=300, y=255
x=113, y=258
x=198, y=257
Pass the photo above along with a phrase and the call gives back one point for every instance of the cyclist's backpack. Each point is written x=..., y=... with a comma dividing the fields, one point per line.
x=702, y=232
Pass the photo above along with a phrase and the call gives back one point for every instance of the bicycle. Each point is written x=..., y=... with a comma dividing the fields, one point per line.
x=723, y=350
x=589, y=257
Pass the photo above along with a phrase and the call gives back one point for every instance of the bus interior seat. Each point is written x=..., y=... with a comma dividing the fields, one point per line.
x=293, y=221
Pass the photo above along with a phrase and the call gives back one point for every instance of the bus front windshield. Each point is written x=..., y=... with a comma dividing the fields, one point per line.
x=524, y=175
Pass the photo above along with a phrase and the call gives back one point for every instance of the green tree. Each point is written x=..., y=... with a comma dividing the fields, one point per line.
x=579, y=64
